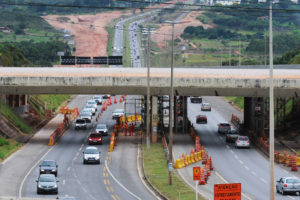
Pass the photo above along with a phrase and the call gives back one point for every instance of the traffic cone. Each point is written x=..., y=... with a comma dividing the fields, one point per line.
x=205, y=173
x=115, y=102
x=290, y=160
x=121, y=99
x=294, y=164
x=204, y=158
x=184, y=161
x=202, y=179
x=210, y=163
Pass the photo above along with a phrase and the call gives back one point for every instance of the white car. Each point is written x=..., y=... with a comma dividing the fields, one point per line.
x=90, y=108
x=87, y=111
x=242, y=141
x=93, y=103
x=86, y=116
x=117, y=113
x=205, y=107
x=91, y=154
x=98, y=99
x=102, y=128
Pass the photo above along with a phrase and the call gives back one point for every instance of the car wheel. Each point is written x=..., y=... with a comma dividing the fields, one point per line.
x=277, y=190
x=84, y=162
x=98, y=162
x=282, y=191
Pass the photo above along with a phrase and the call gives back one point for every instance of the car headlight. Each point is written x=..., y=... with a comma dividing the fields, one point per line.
x=40, y=186
x=42, y=170
x=53, y=170
x=55, y=186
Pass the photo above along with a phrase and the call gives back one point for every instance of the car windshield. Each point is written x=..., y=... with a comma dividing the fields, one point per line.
x=80, y=121
x=292, y=180
x=85, y=115
x=91, y=151
x=47, y=179
x=89, y=106
x=97, y=97
x=48, y=163
x=118, y=111
x=94, y=135
x=91, y=103
x=101, y=126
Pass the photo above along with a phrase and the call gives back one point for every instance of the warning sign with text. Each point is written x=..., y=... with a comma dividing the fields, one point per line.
x=231, y=191
x=196, y=173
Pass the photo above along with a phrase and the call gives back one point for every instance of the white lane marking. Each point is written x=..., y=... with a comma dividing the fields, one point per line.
x=263, y=180
x=119, y=182
x=231, y=151
x=290, y=197
x=69, y=168
x=236, y=156
x=64, y=182
x=241, y=162
x=77, y=154
x=227, y=146
x=252, y=172
x=247, y=168
x=74, y=158
x=25, y=177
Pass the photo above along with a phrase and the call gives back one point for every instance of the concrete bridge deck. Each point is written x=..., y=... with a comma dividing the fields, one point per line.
x=187, y=81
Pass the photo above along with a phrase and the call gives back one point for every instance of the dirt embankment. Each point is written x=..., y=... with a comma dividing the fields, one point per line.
x=89, y=31
x=164, y=32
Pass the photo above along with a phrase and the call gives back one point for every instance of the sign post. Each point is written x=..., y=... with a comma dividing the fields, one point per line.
x=196, y=177
x=227, y=191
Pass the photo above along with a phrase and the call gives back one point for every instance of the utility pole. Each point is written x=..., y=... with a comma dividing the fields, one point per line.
x=272, y=185
x=148, y=92
x=229, y=55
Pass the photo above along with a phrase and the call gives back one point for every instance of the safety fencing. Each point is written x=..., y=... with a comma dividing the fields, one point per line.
x=261, y=141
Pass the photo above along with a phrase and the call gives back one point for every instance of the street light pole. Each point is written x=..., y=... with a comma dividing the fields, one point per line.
x=148, y=93
x=272, y=185
x=171, y=109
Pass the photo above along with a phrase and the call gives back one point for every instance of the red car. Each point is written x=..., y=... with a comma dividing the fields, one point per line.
x=201, y=119
x=95, y=138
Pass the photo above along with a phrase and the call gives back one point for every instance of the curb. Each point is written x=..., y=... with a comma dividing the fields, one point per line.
x=144, y=178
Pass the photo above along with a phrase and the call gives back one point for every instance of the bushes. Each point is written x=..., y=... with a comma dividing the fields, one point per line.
x=3, y=142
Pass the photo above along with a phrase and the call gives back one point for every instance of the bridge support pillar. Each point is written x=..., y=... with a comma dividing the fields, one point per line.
x=254, y=112
x=154, y=118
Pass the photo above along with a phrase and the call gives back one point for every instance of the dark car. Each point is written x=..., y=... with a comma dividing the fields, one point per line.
x=47, y=183
x=224, y=128
x=232, y=135
x=95, y=138
x=201, y=119
x=48, y=167
x=195, y=99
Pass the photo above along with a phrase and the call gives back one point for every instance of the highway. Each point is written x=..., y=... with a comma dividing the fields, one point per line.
x=112, y=179
x=246, y=166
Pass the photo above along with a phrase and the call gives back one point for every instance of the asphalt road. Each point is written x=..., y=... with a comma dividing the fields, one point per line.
x=114, y=178
x=246, y=166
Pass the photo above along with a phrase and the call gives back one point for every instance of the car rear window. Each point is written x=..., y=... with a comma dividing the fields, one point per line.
x=292, y=181
x=91, y=151
x=244, y=138
x=94, y=135
x=224, y=124
x=47, y=179
x=80, y=121
x=48, y=163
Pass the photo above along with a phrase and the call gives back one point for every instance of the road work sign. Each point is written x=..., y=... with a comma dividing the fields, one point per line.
x=196, y=173
x=231, y=191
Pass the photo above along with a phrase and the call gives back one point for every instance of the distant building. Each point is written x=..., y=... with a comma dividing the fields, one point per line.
x=228, y=2
x=5, y=30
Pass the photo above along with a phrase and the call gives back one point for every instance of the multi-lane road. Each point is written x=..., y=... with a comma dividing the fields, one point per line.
x=246, y=166
x=116, y=177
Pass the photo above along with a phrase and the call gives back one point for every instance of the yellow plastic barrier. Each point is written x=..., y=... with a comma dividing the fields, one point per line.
x=193, y=158
x=287, y=161
x=298, y=161
x=188, y=159
x=199, y=155
x=281, y=158
x=179, y=163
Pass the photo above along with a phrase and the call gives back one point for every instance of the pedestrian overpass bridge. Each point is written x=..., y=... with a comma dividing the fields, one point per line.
x=213, y=81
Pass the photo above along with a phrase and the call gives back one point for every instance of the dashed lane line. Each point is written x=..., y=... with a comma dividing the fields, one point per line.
x=247, y=168
x=252, y=172
x=290, y=197
x=263, y=180
x=119, y=182
x=69, y=168
x=236, y=157
x=64, y=182
x=227, y=146
x=241, y=162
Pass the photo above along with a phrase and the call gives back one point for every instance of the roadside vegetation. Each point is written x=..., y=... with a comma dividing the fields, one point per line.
x=157, y=173
x=14, y=119
x=7, y=147
x=238, y=101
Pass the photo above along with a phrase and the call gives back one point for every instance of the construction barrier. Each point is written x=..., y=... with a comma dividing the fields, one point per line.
x=59, y=131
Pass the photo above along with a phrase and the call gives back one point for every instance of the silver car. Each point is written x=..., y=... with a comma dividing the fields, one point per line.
x=242, y=141
x=91, y=155
x=93, y=103
x=224, y=128
x=117, y=113
x=102, y=128
x=205, y=107
x=89, y=108
x=288, y=185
